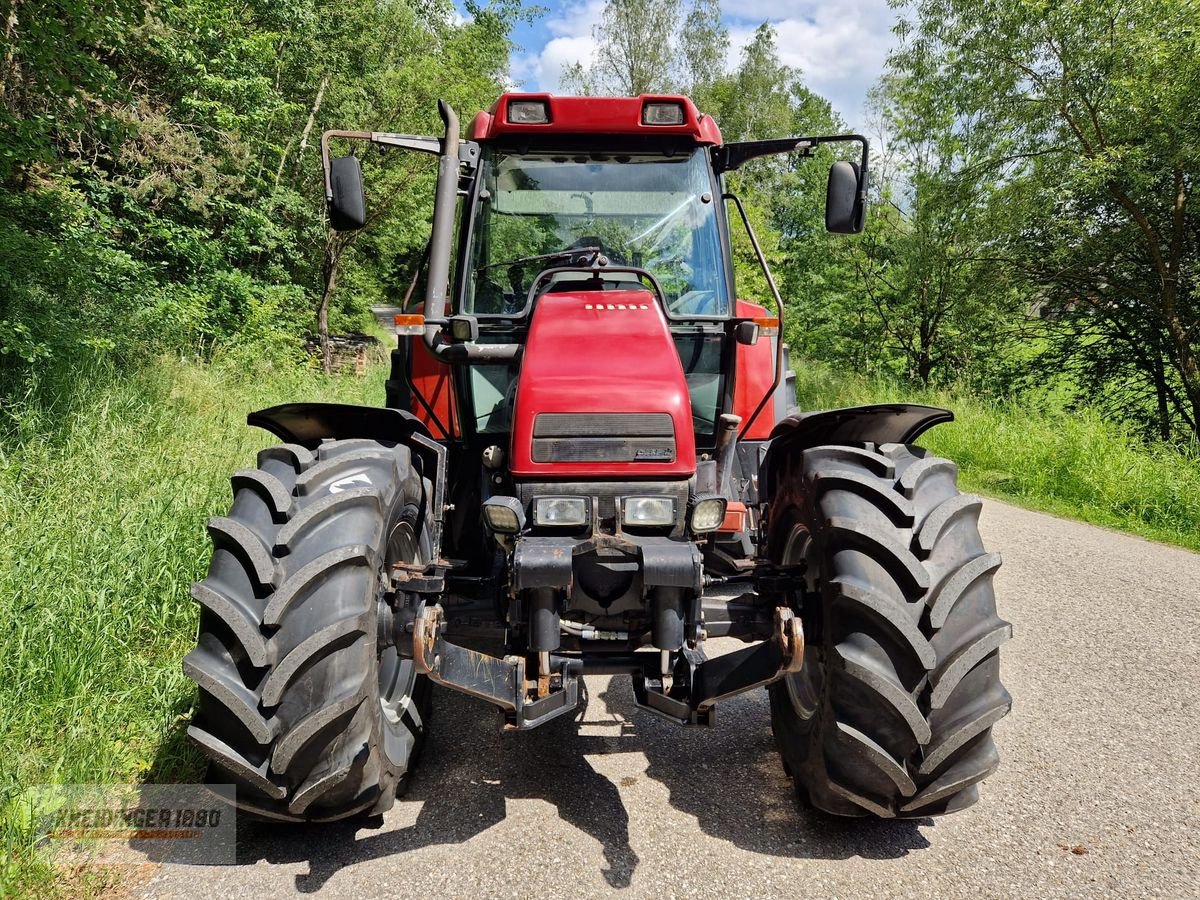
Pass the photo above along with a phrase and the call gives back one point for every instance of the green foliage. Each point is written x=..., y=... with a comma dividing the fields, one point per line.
x=160, y=164
x=105, y=485
x=653, y=47
x=1086, y=112
x=933, y=303
x=784, y=196
x=633, y=50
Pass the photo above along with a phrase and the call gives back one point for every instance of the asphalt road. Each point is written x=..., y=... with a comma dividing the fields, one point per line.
x=1097, y=794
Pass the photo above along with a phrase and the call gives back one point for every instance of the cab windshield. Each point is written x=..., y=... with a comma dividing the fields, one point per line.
x=652, y=212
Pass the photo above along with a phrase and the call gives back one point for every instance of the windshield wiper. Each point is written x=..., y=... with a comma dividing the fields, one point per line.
x=592, y=252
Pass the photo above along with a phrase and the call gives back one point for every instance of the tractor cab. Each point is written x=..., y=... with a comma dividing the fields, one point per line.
x=600, y=253
x=603, y=397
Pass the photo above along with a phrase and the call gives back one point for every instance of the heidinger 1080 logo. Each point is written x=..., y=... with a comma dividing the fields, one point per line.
x=114, y=824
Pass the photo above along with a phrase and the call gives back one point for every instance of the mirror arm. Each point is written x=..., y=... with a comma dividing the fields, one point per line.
x=728, y=157
x=325, y=138
x=762, y=261
x=419, y=143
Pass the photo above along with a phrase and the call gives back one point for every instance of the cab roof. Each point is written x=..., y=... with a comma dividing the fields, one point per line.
x=594, y=115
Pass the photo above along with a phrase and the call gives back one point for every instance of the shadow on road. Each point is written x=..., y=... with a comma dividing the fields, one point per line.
x=728, y=777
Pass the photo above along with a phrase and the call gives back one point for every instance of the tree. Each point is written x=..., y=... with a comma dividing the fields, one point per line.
x=160, y=169
x=935, y=293
x=704, y=40
x=636, y=49
x=1092, y=105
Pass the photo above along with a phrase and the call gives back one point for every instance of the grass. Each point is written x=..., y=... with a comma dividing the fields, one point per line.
x=1071, y=463
x=105, y=486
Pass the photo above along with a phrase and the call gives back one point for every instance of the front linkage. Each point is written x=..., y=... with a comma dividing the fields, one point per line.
x=688, y=695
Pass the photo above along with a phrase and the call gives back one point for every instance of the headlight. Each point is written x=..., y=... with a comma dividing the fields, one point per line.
x=662, y=114
x=560, y=512
x=504, y=515
x=649, y=511
x=708, y=514
x=528, y=112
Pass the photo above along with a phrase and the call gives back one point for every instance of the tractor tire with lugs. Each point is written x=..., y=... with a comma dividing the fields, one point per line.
x=300, y=705
x=893, y=710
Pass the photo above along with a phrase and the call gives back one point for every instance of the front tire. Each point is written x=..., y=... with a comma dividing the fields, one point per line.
x=300, y=705
x=892, y=713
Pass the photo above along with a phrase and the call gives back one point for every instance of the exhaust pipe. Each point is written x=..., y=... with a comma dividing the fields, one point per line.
x=727, y=429
x=441, y=242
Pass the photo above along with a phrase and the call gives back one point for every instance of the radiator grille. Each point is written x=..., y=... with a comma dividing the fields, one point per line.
x=609, y=425
x=604, y=437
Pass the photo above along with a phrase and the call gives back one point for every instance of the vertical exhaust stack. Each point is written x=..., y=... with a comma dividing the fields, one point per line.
x=441, y=240
x=727, y=429
x=444, y=203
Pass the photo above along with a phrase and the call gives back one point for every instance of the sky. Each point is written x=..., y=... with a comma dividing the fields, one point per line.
x=839, y=45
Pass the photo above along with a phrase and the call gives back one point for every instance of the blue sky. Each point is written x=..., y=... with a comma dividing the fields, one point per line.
x=839, y=45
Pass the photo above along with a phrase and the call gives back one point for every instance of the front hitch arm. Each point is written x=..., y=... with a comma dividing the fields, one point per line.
x=710, y=681
x=502, y=681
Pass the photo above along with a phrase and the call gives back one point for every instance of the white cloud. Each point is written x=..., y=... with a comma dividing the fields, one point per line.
x=571, y=42
x=840, y=47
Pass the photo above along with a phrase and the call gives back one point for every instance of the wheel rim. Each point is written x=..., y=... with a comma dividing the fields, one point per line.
x=397, y=675
x=804, y=687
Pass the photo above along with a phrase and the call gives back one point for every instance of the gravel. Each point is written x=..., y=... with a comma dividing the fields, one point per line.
x=1097, y=794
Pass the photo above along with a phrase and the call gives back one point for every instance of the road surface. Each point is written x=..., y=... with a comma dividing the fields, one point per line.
x=1097, y=794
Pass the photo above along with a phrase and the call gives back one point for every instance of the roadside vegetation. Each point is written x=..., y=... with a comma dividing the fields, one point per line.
x=1037, y=452
x=105, y=487
x=1029, y=260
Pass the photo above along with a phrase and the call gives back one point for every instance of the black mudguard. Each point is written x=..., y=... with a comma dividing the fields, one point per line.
x=310, y=423
x=884, y=423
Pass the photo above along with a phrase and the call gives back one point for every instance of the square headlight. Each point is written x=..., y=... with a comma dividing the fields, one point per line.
x=662, y=114
x=649, y=511
x=708, y=514
x=504, y=515
x=528, y=112
x=560, y=512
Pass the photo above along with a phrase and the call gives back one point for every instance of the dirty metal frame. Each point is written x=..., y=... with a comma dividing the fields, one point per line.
x=689, y=697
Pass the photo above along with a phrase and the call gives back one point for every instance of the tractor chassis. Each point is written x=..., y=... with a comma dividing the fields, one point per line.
x=529, y=696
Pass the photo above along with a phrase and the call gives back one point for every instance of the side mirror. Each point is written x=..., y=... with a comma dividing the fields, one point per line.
x=746, y=333
x=844, y=213
x=348, y=201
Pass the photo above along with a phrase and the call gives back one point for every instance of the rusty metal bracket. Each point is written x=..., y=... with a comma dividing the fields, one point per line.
x=416, y=579
x=498, y=680
x=735, y=673
x=722, y=677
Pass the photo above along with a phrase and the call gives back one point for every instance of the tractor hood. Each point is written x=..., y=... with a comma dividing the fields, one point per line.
x=601, y=392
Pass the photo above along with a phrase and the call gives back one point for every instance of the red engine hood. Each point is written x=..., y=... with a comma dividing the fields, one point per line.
x=604, y=357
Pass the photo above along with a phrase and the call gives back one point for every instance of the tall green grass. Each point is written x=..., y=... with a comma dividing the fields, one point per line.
x=1040, y=455
x=105, y=486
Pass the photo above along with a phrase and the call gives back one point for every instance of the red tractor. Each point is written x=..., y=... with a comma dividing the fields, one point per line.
x=589, y=462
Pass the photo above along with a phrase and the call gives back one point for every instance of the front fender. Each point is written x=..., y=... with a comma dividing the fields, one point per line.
x=311, y=423
x=308, y=424
x=883, y=423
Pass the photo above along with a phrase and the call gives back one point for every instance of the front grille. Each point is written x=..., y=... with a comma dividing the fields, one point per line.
x=603, y=437
x=549, y=425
